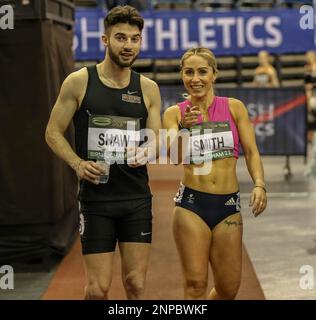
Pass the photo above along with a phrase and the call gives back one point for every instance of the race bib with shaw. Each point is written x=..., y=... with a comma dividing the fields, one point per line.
x=113, y=134
x=211, y=141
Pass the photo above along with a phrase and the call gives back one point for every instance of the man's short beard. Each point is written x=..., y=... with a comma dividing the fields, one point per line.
x=115, y=58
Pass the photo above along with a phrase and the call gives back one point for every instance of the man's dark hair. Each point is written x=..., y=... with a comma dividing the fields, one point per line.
x=123, y=14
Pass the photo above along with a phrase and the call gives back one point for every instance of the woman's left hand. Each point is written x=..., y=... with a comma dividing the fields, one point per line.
x=258, y=200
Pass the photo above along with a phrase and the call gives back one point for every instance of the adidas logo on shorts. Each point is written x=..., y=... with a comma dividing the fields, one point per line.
x=230, y=202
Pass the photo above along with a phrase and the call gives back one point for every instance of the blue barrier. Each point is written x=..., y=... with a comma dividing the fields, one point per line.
x=278, y=115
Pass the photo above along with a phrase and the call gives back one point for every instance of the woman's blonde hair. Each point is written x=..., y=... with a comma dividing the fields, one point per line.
x=205, y=53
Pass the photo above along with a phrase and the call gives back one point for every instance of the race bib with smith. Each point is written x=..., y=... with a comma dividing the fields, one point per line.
x=211, y=141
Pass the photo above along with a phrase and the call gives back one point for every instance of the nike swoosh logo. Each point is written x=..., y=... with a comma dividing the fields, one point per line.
x=145, y=233
x=131, y=92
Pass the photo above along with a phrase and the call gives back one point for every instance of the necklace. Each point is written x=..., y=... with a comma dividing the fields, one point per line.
x=204, y=114
x=111, y=83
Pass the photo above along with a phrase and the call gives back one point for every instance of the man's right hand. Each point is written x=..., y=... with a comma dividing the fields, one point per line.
x=89, y=171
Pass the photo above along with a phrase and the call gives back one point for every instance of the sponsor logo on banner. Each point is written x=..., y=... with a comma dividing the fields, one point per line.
x=169, y=34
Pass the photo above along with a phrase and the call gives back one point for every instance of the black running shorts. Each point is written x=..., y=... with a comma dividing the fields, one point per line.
x=103, y=224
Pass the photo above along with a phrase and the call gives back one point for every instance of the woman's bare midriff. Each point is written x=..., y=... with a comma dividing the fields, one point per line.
x=217, y=177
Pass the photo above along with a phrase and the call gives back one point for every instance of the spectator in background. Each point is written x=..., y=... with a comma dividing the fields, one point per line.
x=310, y=89
x=140, y=5
x=265, y=74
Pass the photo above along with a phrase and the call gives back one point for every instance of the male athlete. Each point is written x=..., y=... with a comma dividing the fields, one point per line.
x=108, y=94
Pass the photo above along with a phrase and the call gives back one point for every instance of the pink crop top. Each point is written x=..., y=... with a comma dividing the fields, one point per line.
x=217, y=111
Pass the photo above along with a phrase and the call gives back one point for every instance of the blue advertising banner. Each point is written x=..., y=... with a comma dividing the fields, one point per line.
x=278, y=116
x=167, y=34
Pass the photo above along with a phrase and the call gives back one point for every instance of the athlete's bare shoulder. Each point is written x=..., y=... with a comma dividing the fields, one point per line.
x=148, y=84
x=174, y=109
x=171, y=117
x=235, y=103
x=75, y=84
x=151, y=92
x=173, y=112
x=237, y=108
x=77, y=79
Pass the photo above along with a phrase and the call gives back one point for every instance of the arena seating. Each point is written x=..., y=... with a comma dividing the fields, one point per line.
x=86, y=3
x=234, y=71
